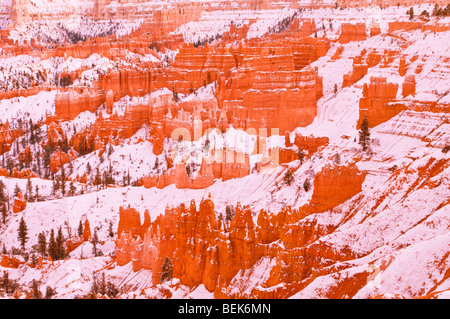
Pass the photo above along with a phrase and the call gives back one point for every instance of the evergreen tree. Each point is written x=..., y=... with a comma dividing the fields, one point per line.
x=175, y=93
x=110, y=150
x=17, y=190
x=23, y=233
x=42, y=244
x=425, y=13
x=65, y=145
x=111, y=290
x=110, y=230
x=301, y=156
x=49, y=292
x=95, y=242
x=46, y=160
x=32, y=134
x=102, y=285
x=166, y=270
x=229, y=213
x=38, y=162
x=307, y=185
x=98, y=179
x=37, y=133
x=5, y=282
x=63, y=180
x=188, y=170
x=288, y=177
x=80, y=229
x=70, y=168
x=2, y=191
x=34, y=260
x=337, y=159
x=29, y=190
x=52, y=248
x=410, y=13
x=364, y=134
x=60, y=248
x=55, y=187
x=10, y=166
x=36, y=291
x=82, y=146
x=36, y=190
x=72, y=189
x=94, y=287
x=436, y=11
x=4, y=212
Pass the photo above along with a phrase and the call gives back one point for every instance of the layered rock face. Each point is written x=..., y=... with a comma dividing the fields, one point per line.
x=221, y=163
x=256, y=87
x=364, y=61
x=379, y=102
x=130, y=221
x=374, y=103
x=236, y=33
x=334, y=185
x=164, y=18
x=352, y=32
x=438, y=26
x=269, y=84
x=409, y=86
x=55, y=135
x=57, y=160
x=210, y=250
x=405, y=25
x=301, y=148
x=277, y=107
x=359, y=71
x=374, y=30
x=68, y=105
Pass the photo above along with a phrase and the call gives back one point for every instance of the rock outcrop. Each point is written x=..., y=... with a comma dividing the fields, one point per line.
x=19, y=203
x=301, y=148
x=404, y=25
x=334, y=185
x=409, y=86
x=352, y=32
x=76, y=241
x=68, y=105
x=7, y=136
x=375, y=102
x=207, y=249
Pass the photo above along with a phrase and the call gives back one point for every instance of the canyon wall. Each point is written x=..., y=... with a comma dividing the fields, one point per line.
x=352, y=32
x=210, y=250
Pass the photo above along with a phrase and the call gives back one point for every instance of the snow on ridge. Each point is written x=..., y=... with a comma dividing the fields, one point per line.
x=215, y=23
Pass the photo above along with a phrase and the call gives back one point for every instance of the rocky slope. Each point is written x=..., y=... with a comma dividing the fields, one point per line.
x=226, y=138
